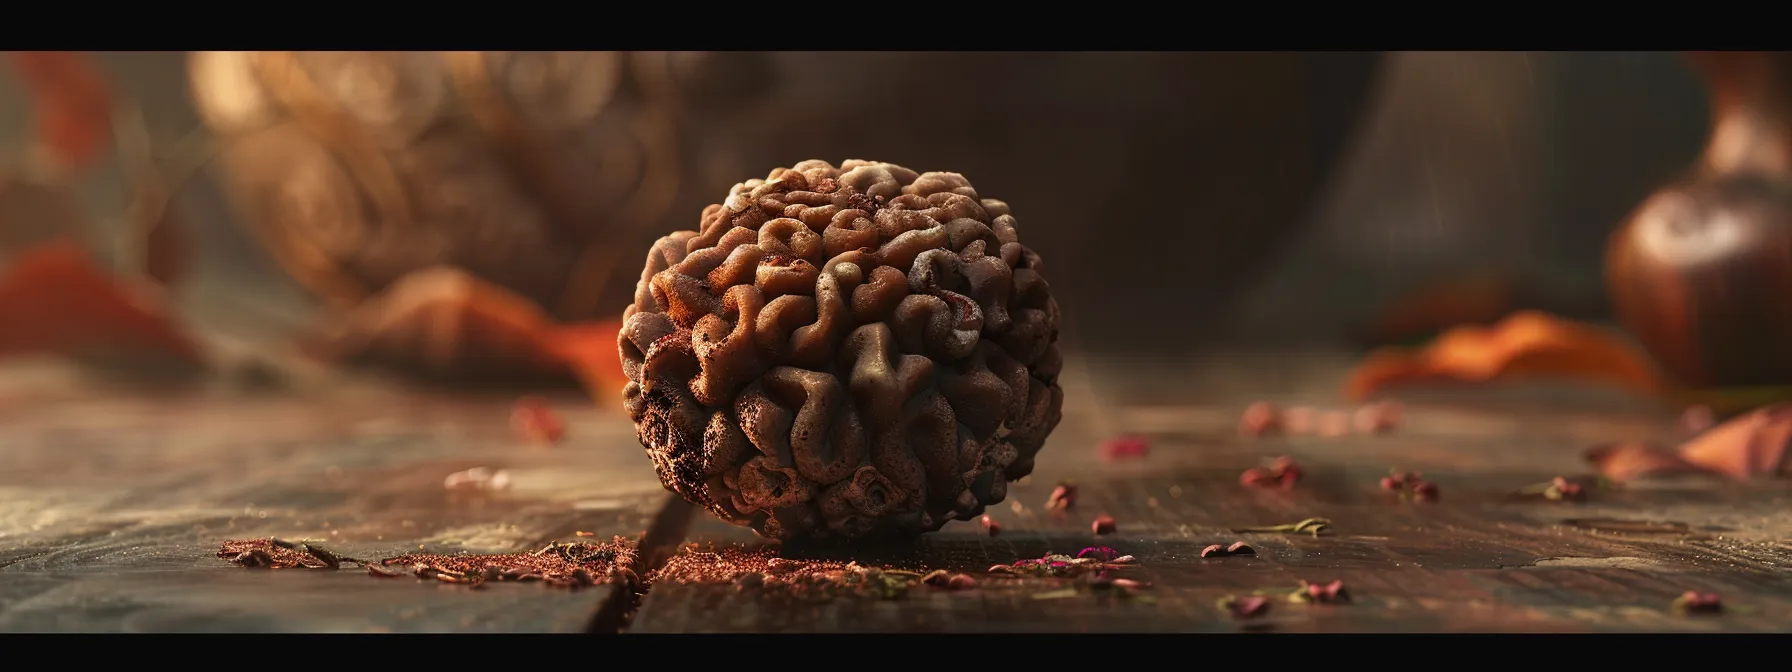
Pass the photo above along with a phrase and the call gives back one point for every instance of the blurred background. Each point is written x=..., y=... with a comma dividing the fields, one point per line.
x=1183, y=202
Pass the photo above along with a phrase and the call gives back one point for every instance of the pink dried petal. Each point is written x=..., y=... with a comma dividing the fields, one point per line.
x=1425, y=491
x=1248, y=607
x=961, y=582
x=1259, y=419
x=1630, y=460
x=990, y=526
x=1063, y=498
x=1100, y=553
x=1102, y=525
x=1125, y=448
x=1214, y=550
x=1258, y=477
x=1124, y=559
x=1129, y=583
x=1391, y=484
x=1241, y=548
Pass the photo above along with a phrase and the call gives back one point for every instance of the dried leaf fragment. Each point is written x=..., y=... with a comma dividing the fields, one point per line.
x=1752, y=445
x=1253, y=606
x=1312, y=526
x=1321, y=593
x=1525, y=344
x=54, y=299
x=1630, y=460
x=1283, y=473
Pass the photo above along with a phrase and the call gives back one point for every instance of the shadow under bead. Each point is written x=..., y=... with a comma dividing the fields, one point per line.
x=844, y=352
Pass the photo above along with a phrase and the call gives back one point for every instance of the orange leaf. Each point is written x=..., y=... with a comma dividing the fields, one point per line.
x=1475, y=299
x=53, y=299
x=446, y=322
x=71, y=102
x=590, y=351
x=1749, y=446
x=1631, y=460
x=1525, y=344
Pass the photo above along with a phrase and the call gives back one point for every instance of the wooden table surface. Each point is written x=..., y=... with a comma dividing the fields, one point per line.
x=113, y=503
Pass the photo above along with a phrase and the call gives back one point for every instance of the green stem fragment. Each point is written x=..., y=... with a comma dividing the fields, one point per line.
x=1311, y=525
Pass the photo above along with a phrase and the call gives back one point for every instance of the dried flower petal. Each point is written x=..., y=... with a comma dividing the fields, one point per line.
x=1424, y=491
x=1378, y=418
x=1124, y=559
x=961, y=582
x=1749, y=446
x=1063, y=498
x=1693, y=602
x=1258, y=477
x=1391, y=484
x=1631, y=460
x=1259, y=419
x=1235, y=548
x=533, y=420
x=1323, y=593
x=1098, y=553
x=990, y=526
x=1124, y=448
x=1245, y=607
x=1103, y=525
x=1526, y=343
x=1563, y=489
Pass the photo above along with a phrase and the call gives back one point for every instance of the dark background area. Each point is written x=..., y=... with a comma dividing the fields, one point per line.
x=1181, y=200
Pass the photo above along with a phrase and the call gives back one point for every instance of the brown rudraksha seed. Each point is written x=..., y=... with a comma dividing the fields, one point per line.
x=842, y=352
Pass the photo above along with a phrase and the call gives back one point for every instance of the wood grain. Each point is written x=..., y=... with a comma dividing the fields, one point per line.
x=113, y=502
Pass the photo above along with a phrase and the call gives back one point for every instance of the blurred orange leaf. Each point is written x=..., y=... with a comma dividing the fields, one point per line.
x=1630, y=460
x=1525, y=344
x=445, y=322
x=71, y=104
x=1749, y=446
x=590, y=351
x=53, y=299
x=1473, y=299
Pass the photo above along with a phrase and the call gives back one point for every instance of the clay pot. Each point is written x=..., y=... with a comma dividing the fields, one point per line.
x=1702, y=270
